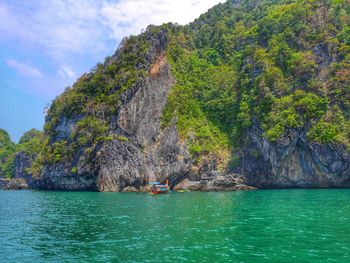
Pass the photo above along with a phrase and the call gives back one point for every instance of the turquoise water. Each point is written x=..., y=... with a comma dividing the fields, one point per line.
x=257, y=226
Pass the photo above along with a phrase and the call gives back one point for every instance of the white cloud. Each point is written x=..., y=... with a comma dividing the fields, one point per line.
x=65, y=27
x=130, y=16
x=79, y=33
x=66, y=72
x=23, y=69
x=59, y=27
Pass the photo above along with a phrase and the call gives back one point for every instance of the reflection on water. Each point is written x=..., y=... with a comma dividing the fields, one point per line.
x=258, y=226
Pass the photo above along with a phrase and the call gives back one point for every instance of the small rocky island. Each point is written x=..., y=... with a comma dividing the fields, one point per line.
x=252, y=94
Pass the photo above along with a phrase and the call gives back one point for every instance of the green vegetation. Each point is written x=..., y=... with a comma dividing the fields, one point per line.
x=7, y=150
x=267, y=62
x=30, y=144
x=273, y=64
x=202, y=97
x=332, y=127
x=74, y=170
x=122, y=138
x=294, y=111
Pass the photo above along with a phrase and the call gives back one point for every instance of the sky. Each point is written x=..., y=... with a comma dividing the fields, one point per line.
x=45, y=45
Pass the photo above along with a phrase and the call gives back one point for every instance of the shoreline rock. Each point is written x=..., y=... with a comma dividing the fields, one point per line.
x=14, y=184
x=130, y=189
x=229, y=182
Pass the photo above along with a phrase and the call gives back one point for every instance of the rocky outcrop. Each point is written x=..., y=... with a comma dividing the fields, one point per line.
x=21, y=178
x=142, y=152
x=150, y=154
x=230, y=182
x=22, y=163
x=293, y=161
x=130, y=189
x=145, y=152
x=3, y=183
x=14, y=184
x=59, y=177
x=137, y=150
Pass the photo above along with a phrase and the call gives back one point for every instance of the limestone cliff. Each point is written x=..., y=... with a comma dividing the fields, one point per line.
x=294, y=162
x=251, y=94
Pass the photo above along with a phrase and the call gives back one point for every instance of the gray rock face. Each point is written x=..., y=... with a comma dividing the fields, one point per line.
x=130, y=189
x=59, y=177
x=14, y=184
x=121, y=164
x=294, y=162
x=22, y=179
x=65, y=127
x=148, y=154
x=21, y=163
x=229, y=182
x=3, y=183
x=140, y=116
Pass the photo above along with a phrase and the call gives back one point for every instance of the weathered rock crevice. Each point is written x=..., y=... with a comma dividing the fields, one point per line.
x=293, y=161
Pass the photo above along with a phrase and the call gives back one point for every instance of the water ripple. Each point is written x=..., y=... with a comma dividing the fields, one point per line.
x=259, y=226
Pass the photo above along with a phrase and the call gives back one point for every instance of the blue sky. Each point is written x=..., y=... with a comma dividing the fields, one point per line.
x=46, y=44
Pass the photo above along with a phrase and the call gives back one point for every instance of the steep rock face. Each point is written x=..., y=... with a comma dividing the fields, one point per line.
x=59, y=176
x=144, y=153
x=294, y=162
x=122, y=164
x=21, y=178
x=21, y=164
x=277, y=57
x=150, y=153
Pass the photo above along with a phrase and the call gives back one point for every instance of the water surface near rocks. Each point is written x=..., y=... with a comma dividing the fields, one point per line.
x=255, y=226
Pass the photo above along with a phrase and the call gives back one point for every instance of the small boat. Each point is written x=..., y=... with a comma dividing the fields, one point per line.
x=158, y=188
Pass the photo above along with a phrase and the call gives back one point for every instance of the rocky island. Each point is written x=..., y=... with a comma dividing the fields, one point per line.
x=252, y=94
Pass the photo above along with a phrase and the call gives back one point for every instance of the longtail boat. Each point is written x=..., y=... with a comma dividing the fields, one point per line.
x=158, y=188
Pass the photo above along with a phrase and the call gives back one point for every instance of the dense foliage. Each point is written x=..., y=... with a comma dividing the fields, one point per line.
x=30, y=144
x=272, y=64
x=7, y=148
x=280, y=65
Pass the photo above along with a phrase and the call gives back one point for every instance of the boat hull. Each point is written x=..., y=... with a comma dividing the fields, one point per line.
x=159, y=192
